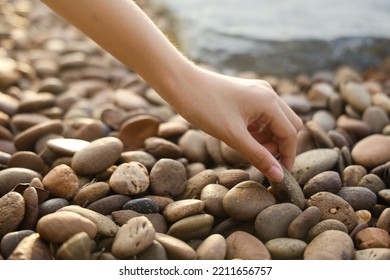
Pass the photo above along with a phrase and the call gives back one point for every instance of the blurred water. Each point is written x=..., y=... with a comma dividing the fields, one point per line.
x=244, y=33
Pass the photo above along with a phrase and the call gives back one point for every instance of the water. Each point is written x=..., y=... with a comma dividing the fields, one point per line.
x=227, y=32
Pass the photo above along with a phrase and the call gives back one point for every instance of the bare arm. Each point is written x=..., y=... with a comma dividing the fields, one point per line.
x=222, y=106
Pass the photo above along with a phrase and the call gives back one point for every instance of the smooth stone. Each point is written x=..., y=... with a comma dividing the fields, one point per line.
x=356, y=95
x=36, y=101
x=372, y=151
x=301, y=225
x=171, y=129
x=330, y=245
x=194, y=168
x=192, y=227
x=61, y=182
x=135, y=130
x=328, y=181
x=139, y=156
x=12, y=211
x=319, y=134
x=383, y=221
x=141, y=205
x=247, y=199
x=213, y=147
x=122, y=216
x=25, y=140
x=212, y=248
x=167, y=177
x=232, y=157
x=212, y=195
x=268, y=227
x=161, y=201
x=372, y=182
x=97, y=156
x=305, y=141
x=130, y=178
x=109, y=204
x=288, y=190
x=9, y=73
x=231, y=177
x=193, y=145
x=376, y=118
x=372, y=238
x=27, y=159
x=355, y=127
x=329, y=224
x=129, y=100
x=193, y=186
x=30, y=219
x=284, y=248
x=182, y=208
x=8, y=104
x=78, y=247
x=384, y=195
x=324, y=119
x=162, y=148
x=58, y=227
x=359, y=198
x=381, y=100
x=245, y=246
x=133, y=237
x=32, y=247
x=90, y=193
x=84, y=128
x=352, y=174
x=358, y=228
x=372, y=254
x=52, y=85
x=11, y=240
x=338, y=139
x=364, y=216
x=176, y=249
x=13, y=176
x=66, y=146
x=313, y=162
x=155, y=251
x=105, y=226
x=52, y=205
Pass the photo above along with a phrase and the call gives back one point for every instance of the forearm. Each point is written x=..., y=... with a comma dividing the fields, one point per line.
x=122, y=29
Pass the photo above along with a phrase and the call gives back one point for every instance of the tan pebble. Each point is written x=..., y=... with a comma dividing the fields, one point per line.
x=176, y=249
x=27, y=159
x=213, y=148
x=162, y=148
x=231, y=156
x=364, y=216
x=139, y=156
x=60, y=226
x=372, y=238
x=355, y=127
x=171, y=129
x=12, y=211
x=301, y=225
x=30, y=196
x=242, y=245
x=193, y=186
x=161, y=201
x=133, y=237
x=383, y=221
x=66, y=146
x=122, y=216
x=90, y=193
x=372, y=254
x=13, y=176
x=284, y=248
x=231, y=177
x=194, y=168
x=321, y=138
x=359, y=198
x=193, y=145
x=356, y=95
x=212, y=248
x=154, y=252
x=212, y=195
x=330, y=245
x=182, y=208
x=61, y=181
x=130, y=179
x=372, y=182
x=329, y=224
x=328, y=181
x=376, y=118
x=192, y=227
x=32, y=247
x=352, y=174
x=78, y=247
x=11, y=240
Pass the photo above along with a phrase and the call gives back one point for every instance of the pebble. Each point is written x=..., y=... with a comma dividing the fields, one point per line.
x=133, y=237
x=371, y=151
x=31, y=213
x=97, y=156
x=327, y=181
x=154, y=252
x=372, y=182
x=284, y=248
x=141, y=205
x=52, y=205
x=176, y=249
x=130, y=179
x=385, y=195
x=245, y=246
x=32, y=247
x=352, y=174
x=383, y=221
x=66, y=146
x=245, y=200
x=170, y=129
x=301, y=225
x=122, y=216
x=12, y=212
x=109, y=204
x=333, y=206
x=183, y=208
x=193, y=145
x=319, y=134
x=11, y=240
x=90, y=193
x=359, y=198
x=372, y=238
x=372, y=254
x=193, y=186
x=313, y=162
x=231, y=177
x=328, y=224
x=213, y=147
x=356, y=96
x=288, y=190
x=193, y=227
x=167, y=177
x=11, y=177
x=161, y=201
x=324, y=119
x=376, y=118
x=78, y=247
x=212, y=248
x=212, y=196
x=162, y=148
x=139, y=156
x=27, y=159
x=58, y=227
x=330, y=245
x=267, y=227
x=61, y=182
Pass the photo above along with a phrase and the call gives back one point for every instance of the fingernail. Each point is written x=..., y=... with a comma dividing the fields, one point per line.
x=275, y=174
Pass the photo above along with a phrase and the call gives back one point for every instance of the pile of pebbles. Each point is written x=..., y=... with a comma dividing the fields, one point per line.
x=95, y=165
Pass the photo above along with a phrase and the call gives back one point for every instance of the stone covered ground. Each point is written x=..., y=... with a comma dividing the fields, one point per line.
x=94, y=165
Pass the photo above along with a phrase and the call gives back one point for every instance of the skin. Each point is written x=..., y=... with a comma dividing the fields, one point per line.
x=246, y=114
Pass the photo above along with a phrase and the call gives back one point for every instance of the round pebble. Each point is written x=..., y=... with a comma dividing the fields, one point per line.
x=90, y=193
x=66, y=146
x=12, y=212
x=244, y=246
x=372, y=254
x=284, y=248
x=371, y=151
x=212, y=195
x=162, y=148
x=139, y=156
x=176, y=249
x=192, y=227
x=27, y=159
x=52, y=205
x=328, y=181
x=329, y=224
x=301, y=225
x=352, y=174
x=11, y=177
x=383, y=221
x=193, y=145
x=193, y=186
x=372, y=238
x=359, y=198
x=182, y=208
x=130, y=179
x=212, y=248
x=78, y=247
x=141, y=205
x=61, y=182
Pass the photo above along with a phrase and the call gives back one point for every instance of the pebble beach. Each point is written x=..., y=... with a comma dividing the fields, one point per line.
x=94, y=165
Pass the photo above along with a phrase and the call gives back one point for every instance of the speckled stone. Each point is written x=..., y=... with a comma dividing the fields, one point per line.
x=141, y=205
x=330, y=245
x=212, y=248
x=244, y=246
x=61, y=182
x=372, y=254
x=328, y=181
x=245, y=200
x=130, y=179
x=182, y=208
x=12, y=211
x=284, y=248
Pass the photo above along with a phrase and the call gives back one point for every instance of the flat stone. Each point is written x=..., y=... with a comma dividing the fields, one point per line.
x=66, y=146
x=11, y=240
x=176, y=249
x=284, y=248
x=192, y=227
x=27, y=159
x=376, y=118
x=329, y=224
x=78, y=247
x=182, y=208
x=372, y=254
x=231, y=177
x=143, y=157
x=31, y=212
x=193, y=186
x=371, y=151
x=32, y=247
x=90, y=193
x=359, y=198
x=109, y=204
x=162, y=148
x=356, y=95
x=142, y=205
x=212, y=248
x=383, y=221
x=122, y=216
x=154, y=252
x=301, y=225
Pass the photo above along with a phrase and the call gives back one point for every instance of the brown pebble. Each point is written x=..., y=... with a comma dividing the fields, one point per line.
x=130, y=179
x=77, y=247
x=139, y=156
x=212, y=195
x=109, y=204
x=193, y=186
x=352, y=174
x=359, y=198
x=285, y=248
x=372, y=182
x=231, y=177
x=372, y=254
x=154, y=252
x=32, y=247
x=11, y=240
x=328, y=181
x=162, y=148
x=244, y=246
x=182, y=208
x=30, y=196
x=301, y=225
x=90, y=193
x=176, y=248
x=61, y=182
x=122, y=216
x=329, y=224
x=27, y=159
x=383, y=221
x=371, y=151
x=12, y=210
x=372, y=238
x=212, y=248
x=11, y=177
x=192, y=227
